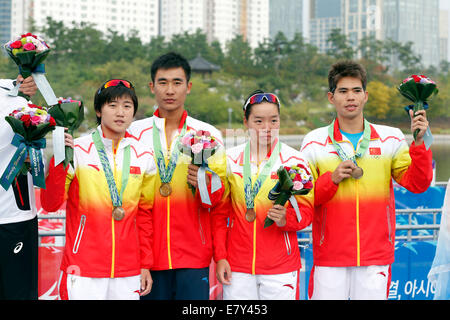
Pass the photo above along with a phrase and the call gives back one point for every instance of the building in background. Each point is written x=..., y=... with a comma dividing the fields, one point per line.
x=443, y=35
x=256, y=20
x=5, y=21
x=285, y=16
x=179, y=16
x=400, y=20
x=416, y=21
x=222, y=20
x=118, y=15
x=324, y=16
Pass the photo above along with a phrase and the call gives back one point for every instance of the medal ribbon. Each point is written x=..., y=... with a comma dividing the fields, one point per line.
x=362, y=147
x=116, y=198
x=250, y=191
x=166, y=172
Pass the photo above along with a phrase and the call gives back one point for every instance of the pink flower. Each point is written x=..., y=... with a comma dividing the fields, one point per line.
x=29, y=46
x=298, y=185
x=35, y=120
x=186, y=140
x=197, y=148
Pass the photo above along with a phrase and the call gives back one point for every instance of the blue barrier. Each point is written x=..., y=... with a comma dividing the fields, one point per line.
x=413, y=259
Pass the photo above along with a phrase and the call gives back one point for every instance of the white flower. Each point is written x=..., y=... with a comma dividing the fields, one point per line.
x=197, y=148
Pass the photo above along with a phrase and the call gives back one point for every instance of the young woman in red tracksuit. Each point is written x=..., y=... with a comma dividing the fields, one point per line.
x=254, y=262
x=109, y=192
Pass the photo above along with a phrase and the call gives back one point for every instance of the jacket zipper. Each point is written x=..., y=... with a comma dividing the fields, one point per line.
x=358, y=239
x=80, y=231
x=113, y=233
x=389, y=224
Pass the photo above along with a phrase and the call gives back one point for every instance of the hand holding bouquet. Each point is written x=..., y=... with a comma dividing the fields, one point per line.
x=30, y=125
x=68, y=114
x=199, y=146
x=29, y=52
x=294, y=180
x=418, y=89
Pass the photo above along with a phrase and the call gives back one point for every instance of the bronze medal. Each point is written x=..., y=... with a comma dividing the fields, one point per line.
x=165, y=190
x=357, y=173
x=250, y=215
x=118, y=213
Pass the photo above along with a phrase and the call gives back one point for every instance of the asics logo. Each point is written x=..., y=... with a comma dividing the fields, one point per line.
x=18, y=247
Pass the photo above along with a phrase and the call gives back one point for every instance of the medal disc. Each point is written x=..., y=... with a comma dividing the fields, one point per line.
x=118, y=213
x=250, y=215
x=165, y=190
x=357, y=173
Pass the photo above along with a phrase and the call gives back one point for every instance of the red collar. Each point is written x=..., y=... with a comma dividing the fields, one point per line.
x=338, y=135
x=182, y=121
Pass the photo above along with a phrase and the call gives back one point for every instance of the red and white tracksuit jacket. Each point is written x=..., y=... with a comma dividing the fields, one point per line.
x=182, y=227
x=248, y=247
x=354, y=222
x=97, y=246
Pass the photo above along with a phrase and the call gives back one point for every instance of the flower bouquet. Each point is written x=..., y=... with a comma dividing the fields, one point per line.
x=294, y=180
x=68, y=114
x=418, y=89
x=30, y=125
x=29, y=52
x=199, y=146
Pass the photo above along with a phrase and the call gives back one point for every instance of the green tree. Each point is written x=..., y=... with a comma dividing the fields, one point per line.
x=340, y=46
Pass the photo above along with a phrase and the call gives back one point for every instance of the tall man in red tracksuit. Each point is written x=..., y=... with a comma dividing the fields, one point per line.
x=353, y=163
x=182, y=244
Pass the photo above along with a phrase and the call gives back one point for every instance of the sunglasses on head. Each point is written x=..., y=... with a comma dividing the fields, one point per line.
x=259, y=97
x=115, y=83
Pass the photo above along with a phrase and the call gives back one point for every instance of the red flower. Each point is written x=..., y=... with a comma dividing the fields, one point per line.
x=416, y=78
x=52, y=122
x=16, y=44
x=34, y=106
x=26, y=119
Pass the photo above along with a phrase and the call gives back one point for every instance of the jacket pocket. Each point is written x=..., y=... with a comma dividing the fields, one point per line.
x=322, y=227
x=287, y=243
x=388, y=216
x=80, y=231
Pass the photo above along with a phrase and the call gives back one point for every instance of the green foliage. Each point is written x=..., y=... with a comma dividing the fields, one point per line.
x=82, y=58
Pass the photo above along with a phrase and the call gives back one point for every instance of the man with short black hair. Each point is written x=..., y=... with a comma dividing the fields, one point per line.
x=182, y=244
x=353, y=163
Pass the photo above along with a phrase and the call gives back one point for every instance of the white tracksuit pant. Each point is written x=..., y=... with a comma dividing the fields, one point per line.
x=355, y=283
x=245, y=286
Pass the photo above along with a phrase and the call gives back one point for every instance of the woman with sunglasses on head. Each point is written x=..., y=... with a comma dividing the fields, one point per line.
x=109, y=192
x=253, y=262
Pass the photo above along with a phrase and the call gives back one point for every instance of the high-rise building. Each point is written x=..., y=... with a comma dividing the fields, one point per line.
x=443, y=35
x=254, y=21
x=5, y=21
x=325, y=15
x=219, y=20
x=179, y=16
x=121, y=16
x=285, y=16
x=400, y=20
x=416, y=21
x=222, y=20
